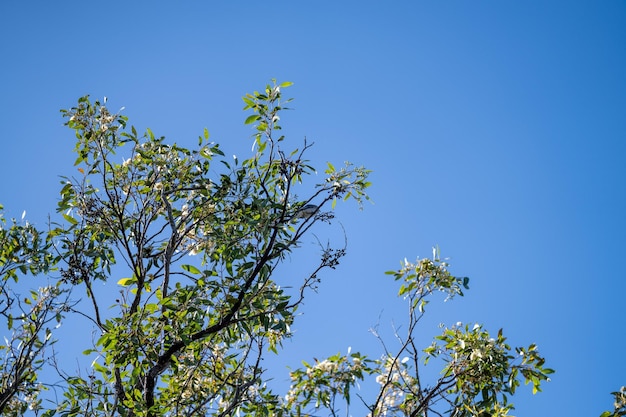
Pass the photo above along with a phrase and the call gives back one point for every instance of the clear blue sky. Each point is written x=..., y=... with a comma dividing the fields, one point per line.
x=495, y=129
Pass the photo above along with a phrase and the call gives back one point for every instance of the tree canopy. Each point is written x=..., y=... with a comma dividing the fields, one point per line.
x=194, y=242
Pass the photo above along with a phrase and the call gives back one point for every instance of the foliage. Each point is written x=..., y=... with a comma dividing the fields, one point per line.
x=478, y=371
x=193, y=242
x=27, y=317
x=619, y=404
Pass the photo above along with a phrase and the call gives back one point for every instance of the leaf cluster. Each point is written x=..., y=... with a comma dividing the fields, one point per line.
x=478, y=373
x=29, y=316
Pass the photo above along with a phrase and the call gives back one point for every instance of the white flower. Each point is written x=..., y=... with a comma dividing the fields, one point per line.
x=252, y=391
x=222, y=403
x=30, y=400
x=326, y=366
x=291, y=395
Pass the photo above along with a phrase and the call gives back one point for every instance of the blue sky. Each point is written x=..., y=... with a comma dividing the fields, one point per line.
x=496, y=130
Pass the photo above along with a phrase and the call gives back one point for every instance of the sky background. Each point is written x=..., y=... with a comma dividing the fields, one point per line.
x=494, y=129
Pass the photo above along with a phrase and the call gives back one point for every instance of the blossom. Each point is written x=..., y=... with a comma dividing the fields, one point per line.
x=195, y=250
x=476, y=354
x=326, y=366
x=290, y=396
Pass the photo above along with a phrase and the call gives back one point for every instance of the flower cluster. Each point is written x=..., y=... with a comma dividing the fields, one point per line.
x=394, y=379
x=325, y=380
x=620, y=402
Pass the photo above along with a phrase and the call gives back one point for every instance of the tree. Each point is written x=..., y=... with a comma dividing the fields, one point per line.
x=199, y=240
x=23, y=250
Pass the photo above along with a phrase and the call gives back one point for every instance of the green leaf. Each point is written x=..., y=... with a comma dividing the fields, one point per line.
x=465, y=283
x=249, y=103
x=70, y=219
x=124, y=282
x=286, y=84
x=100, y=368
x=191, y=269
x=251, y=119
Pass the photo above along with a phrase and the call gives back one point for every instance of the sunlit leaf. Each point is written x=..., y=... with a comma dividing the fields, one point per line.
x=70, y=219
x=252, y=118
x=191, y=269
x=125, y=281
